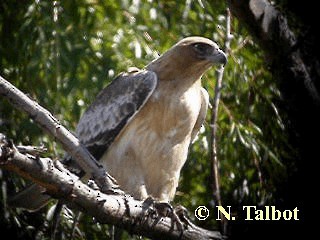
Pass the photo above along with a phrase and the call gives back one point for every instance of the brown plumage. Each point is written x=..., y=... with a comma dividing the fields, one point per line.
x=148, y=153
x=141, y=125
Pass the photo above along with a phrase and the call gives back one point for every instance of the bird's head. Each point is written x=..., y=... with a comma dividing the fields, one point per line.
x=189, y=58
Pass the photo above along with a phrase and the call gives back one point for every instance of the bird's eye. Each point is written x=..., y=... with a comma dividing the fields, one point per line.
x=200, y=48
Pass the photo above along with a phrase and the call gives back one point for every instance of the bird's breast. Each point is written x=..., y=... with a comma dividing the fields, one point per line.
x=172, y=112
x=166, y=120
x=154, y=144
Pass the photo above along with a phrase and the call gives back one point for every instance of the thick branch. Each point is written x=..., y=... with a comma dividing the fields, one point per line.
x=272, y=31
x=52, y=126
x=119, y=210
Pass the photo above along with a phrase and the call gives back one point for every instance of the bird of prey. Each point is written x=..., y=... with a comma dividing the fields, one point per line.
x=141, y=125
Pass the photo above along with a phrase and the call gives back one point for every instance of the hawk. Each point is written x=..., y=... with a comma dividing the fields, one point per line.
x=141, y=125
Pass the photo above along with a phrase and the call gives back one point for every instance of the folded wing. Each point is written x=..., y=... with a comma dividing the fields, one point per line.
x=113, y=108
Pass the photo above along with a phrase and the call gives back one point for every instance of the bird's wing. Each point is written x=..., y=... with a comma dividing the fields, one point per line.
x=113, y=108
x=202, y=113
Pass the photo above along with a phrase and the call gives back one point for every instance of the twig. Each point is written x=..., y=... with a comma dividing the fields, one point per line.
x=32, y=149
x=51, y=125
x=214, y=118
x=56, y=220
x=76, y=220
x=120, y=210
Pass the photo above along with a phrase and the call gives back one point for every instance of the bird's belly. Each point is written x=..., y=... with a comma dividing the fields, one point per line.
x=146, y=158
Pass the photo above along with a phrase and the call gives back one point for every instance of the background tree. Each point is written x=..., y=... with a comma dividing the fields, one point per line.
x=63, y=52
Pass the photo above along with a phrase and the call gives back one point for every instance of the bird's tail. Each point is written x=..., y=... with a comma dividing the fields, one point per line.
x=31, y=198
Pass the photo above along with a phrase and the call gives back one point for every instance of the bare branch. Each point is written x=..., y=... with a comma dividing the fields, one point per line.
x=32, y=149
x=213, y=123
x=51, y=125
x=120, y=210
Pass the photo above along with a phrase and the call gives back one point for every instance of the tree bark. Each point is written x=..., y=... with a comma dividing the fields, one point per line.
x=293, y=59
x=123, y=211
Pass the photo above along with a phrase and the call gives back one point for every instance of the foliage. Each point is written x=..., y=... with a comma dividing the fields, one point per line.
x=63, y=52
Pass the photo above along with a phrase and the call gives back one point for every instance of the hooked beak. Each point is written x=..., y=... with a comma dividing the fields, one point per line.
x=218, y=57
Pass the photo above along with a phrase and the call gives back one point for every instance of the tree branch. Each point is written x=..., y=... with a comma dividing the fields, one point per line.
x=120, y=210
x=213, y=123
x=51, y=125
x=272, y=31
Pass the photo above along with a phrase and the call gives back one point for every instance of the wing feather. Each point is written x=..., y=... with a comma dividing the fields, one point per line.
x=113, y=108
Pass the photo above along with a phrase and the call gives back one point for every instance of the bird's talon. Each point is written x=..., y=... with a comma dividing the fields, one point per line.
x=165, y=209
x=182, y=213
x=148, y=210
